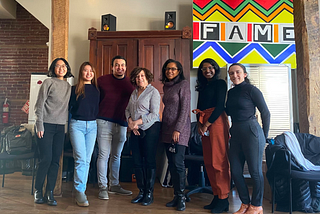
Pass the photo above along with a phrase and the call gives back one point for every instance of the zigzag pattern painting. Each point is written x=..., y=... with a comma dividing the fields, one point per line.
x=245, y=31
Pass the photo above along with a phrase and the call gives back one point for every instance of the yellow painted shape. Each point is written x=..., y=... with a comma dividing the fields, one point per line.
x=251, y=17
x=253, y=58
x=291, y=60
x=195, y=18
x=217, y=17
x=284, y=17
x=210, y=53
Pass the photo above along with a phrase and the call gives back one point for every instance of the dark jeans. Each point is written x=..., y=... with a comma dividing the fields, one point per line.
x=247, y=144
x=144, y=147
x=177, y=168
x=50, y=149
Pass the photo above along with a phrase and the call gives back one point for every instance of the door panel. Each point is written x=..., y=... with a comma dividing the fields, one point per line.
x=108, y=49
x=152, y=55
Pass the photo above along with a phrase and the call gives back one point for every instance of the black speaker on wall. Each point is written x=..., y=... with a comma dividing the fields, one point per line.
x=108, y=22
x=170, y=20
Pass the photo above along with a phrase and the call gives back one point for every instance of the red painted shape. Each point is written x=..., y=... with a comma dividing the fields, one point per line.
x=196, y=30
x=249, y=33
x=201, y=3
x=267, y=4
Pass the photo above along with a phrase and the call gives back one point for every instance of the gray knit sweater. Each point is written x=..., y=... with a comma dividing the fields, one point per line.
x=176, y=113
x=52, y=103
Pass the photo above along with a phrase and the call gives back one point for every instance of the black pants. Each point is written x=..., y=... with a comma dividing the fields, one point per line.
x=247, y=144
x=177, y=167
x=50, y=149
x=144, y=147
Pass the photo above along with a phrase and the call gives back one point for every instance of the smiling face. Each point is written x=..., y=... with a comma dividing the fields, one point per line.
x=60, y=69
x=87, y=74
x=208, y=71
x=141, y=80
x=172, y=71
x=119, y=68
x=237, y=74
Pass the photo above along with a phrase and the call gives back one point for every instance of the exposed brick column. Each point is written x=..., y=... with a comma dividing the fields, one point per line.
x=307, y=38
x=59, y=48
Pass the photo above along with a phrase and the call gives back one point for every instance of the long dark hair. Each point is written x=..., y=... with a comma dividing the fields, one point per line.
x=246, y=79
x=80, y=87
x=180, y=69
x=201, y=80
x=51, y=72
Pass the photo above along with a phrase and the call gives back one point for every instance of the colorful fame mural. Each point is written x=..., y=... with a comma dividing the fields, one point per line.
x=245, y=31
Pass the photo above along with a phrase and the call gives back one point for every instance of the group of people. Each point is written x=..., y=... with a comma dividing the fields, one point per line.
x=102, y=109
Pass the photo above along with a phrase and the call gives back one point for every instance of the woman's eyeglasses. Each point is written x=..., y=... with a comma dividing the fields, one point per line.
x=205, y=68
x=172, y=69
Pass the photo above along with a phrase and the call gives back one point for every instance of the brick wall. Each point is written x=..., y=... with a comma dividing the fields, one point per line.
x=23, y=51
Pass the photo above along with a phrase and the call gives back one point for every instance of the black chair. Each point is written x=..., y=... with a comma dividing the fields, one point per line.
x=6, y=157
x=201, y=188
x=194, y=158
x=288, y=173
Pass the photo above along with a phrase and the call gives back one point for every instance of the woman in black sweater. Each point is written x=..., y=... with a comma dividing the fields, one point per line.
x=247, y=137
x=84, y=107
x=214, y=128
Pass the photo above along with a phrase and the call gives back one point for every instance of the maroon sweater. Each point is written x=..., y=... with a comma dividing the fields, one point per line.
x=176, y=113
x=114, y=98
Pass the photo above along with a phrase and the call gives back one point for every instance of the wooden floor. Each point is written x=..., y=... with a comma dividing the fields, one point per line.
x=15, y=198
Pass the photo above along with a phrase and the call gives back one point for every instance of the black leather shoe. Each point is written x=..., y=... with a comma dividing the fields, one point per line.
x=38, y=197
x=221, y=206
x=147, y=199
x=173, y=203
x=139, y=198
x=50, y=199
x=212, y=204
x=181, y=205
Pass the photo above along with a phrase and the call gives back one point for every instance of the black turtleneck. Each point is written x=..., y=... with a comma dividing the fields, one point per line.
x=213, y=95
x=241, y=102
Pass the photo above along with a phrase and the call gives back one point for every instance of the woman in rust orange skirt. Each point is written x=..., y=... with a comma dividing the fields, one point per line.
x=214, y=128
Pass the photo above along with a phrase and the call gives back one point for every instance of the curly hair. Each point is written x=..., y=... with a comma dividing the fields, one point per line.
x=134, y=73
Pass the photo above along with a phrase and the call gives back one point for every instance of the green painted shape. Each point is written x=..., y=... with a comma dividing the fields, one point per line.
x=241, y=6
x=196, y=44
x=232, y=48
x=275, y=49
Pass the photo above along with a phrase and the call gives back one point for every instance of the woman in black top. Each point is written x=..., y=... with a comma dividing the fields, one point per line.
x=247, y=137
x=214, y=128
x=84, y=107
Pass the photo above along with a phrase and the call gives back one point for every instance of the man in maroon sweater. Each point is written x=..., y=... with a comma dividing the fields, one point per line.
x=115, y=91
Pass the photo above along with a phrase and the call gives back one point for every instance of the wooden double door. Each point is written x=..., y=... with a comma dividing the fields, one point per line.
x=147, y=49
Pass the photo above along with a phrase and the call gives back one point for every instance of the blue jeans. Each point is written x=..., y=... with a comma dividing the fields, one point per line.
x=111, y=138
x=83, y=137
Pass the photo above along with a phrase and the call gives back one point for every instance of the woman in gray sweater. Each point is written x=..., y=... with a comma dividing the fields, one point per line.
x=51, y=111
x=176, y=125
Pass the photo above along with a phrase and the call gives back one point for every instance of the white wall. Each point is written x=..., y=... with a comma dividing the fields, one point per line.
x=131, y=15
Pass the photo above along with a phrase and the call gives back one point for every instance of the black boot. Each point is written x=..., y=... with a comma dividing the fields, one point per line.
x=150, y=178
x=50, y=199
x=38, y=197
x=140, y=178
x=173, y=203
x=212, y=204
x=221, y=206
x=181, y=205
